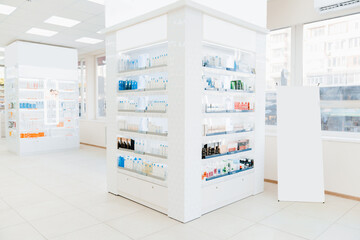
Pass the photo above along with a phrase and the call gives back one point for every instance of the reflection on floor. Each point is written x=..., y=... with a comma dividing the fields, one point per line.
x=63, y=196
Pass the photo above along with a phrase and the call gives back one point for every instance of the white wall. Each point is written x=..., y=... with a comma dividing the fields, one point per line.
x=341, y=165
x=118, y=11
x=285, y=13
x=92, y=130
x=341, y=158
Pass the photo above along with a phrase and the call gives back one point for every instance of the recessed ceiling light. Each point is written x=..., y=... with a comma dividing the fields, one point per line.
x=6, y=9
x=89, y=40
x=65, y=22
x=41, y=32
x=2, y=49
x=102, y=2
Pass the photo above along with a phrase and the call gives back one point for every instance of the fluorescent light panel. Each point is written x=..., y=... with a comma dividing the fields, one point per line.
x=2, y=49
x=41, y=32
x=88, y=40
x=6, y=9
x=102, y=2
x=2, y=57
x=65, y=22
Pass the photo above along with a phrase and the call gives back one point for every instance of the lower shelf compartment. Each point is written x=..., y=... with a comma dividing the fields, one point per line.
x=149, y=194
x=149, y=179
x=223, y=191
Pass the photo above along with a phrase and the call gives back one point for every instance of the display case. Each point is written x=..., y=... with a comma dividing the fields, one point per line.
x=2, y=102
x=185, y=110
x=41, y=98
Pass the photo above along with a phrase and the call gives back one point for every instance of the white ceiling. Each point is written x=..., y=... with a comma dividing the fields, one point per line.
x=33, y=13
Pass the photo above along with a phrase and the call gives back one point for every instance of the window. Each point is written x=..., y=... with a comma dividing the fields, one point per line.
x=336, y=69
x=101, y=84
x=82, y=87
x=277, y=68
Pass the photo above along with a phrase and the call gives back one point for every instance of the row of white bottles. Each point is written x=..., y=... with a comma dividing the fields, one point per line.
x=144, y=167
x=31, y=84
x=157, y=106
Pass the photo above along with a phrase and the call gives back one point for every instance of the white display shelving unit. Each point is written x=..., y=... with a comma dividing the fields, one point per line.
x=2, y=102
x=41, y=88
x=204, y=74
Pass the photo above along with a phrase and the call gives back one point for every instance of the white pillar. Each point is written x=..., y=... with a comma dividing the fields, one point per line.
x=185, y=94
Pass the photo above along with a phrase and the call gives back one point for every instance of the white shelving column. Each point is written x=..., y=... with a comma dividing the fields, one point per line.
x=41, y=89
x=185, y=33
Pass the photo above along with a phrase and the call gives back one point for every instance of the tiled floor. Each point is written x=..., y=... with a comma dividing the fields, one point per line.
x=63, y=196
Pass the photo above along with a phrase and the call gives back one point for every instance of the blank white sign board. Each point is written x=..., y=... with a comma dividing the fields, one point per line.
x=300, y=161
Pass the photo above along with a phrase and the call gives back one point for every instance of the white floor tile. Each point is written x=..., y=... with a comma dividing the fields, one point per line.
x=352, y=218
x=324, y=211
x=113, y=209
x=297, y=224
x=9, y=217
x=3, y=205
x=142, y=223
x=340, y=232
x=261, y=232
x=90, y=198
x=97, y=232
x=44, y=209
x=220, y=225
x=250, y=210
x=72, y=189
x=180, y=232
x=60, y=224
x=20, y=232
x=29, y=198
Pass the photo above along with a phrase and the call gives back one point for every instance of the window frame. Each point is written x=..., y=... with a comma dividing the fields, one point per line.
x=98, y=117
x=81, y=93
x=297, y=79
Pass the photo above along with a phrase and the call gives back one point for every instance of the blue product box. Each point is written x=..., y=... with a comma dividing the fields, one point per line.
x=121, y=85
x=134, y=84
x=121, y=162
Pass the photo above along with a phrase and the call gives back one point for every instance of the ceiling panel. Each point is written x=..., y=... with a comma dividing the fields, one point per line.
x=33, y=14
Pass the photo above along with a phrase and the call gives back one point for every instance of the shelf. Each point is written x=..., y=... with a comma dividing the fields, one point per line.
x=142, y=114
x=31, y=89
x=227, y=114
x=31, y=109
x=161, y=137
x=145, y=71
x=228, y=155
x=31, y=99
x=149, y=179
x=146, y=156
x=228, y=177
x=227, y=91
x=215, y=137
x=141, y=92
x=218, y=71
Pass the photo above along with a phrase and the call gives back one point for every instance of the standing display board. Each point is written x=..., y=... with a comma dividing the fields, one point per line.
x=300, y=160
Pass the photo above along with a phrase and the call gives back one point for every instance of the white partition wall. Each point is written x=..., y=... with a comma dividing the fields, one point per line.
x=42, y=95
x=185, y=118
x=300, y=160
